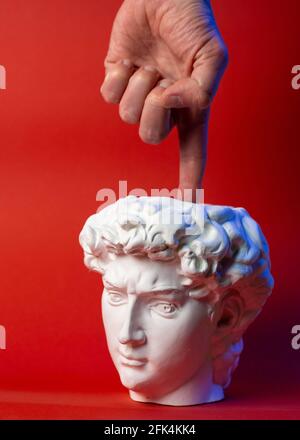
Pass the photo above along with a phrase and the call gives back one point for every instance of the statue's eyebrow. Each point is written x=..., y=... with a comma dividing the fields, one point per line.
x=167, y=290
x=160, y=290
x=108, y=284
x=168, y=293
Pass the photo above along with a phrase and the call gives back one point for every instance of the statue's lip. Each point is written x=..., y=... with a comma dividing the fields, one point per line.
x=131, y=360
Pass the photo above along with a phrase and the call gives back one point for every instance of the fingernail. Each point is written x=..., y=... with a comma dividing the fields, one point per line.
x=174, y=101
x=165, y=83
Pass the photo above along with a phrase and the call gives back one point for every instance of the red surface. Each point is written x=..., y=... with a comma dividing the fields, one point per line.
x=60, y=144
x=247, y=406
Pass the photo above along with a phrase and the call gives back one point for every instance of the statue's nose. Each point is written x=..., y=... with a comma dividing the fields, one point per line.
x=132, y=331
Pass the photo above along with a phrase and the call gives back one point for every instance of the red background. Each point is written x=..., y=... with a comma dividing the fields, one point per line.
x=60, y=144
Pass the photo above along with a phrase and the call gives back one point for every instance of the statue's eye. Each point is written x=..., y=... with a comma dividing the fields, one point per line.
x=165, y=309
x=116, y=298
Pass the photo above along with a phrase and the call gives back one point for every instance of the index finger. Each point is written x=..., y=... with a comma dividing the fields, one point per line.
x=192, y=126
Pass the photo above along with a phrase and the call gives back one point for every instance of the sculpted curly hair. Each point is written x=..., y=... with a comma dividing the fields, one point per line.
x=220, y=250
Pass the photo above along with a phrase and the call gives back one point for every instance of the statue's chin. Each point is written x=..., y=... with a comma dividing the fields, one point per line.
x=140, y=385
x=131, y=383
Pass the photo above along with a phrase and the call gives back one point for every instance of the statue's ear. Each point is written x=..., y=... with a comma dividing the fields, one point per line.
x=229, y=313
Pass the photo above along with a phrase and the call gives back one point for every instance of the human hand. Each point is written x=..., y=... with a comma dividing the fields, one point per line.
x=163, y=67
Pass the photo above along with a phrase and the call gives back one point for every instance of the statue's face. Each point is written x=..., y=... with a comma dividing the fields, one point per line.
x=158, y=336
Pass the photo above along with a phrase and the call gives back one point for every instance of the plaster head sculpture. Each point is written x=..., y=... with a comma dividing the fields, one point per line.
x=178, y=295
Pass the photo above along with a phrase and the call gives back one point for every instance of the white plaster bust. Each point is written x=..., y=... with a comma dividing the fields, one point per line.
x=178, y=295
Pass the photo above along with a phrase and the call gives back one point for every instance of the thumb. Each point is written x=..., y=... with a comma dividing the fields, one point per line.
x=186, y=92
x=197, y=90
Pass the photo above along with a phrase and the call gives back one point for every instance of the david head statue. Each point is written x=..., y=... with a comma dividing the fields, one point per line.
x=182, y=282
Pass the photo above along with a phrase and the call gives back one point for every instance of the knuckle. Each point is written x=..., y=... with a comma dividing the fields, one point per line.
x=204, y=99
x=222, y=54
x=218, y=52
x=138, y=76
